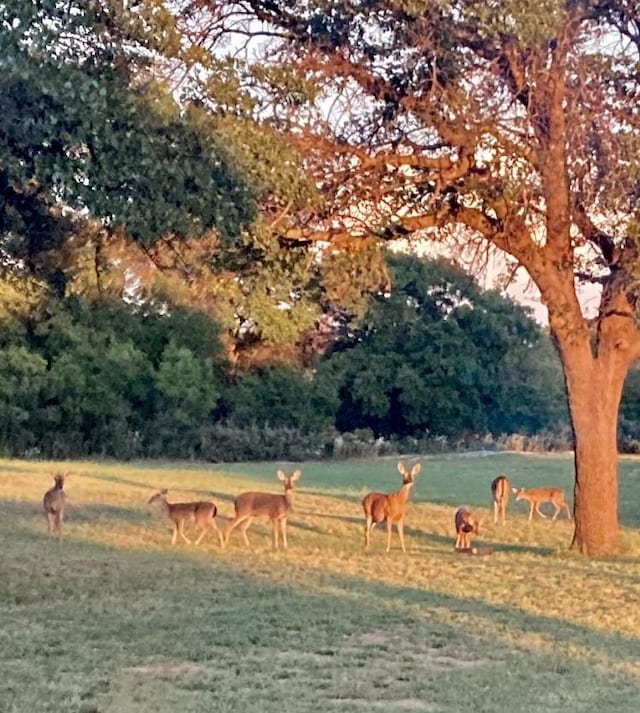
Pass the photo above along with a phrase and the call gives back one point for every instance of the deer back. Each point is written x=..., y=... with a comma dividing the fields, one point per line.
x=540, y=495
x=500, y=489
x=54, y=499
x=258, y=504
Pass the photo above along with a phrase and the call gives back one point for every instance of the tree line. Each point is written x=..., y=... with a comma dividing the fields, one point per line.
x=436, y=358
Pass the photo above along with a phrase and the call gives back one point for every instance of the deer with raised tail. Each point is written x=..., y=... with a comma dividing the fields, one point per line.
x=53, y=502
x=250, y=505
x=389, y=507
x=202, y=512
x=537, y=496
x=500, y=490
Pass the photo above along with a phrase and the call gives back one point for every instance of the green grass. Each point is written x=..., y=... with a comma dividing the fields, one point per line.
x=113, y=619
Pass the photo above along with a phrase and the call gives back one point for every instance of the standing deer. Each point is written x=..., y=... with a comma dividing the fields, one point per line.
x=466, y=526
x=537, y=496
x=500, y=490
x=201, y=511
x=251, y=505
x=391, y=507
x=53, y=503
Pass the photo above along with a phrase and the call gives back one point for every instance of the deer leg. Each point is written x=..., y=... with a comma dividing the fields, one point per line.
x=247, y=522
x=274, y=528
x=203, y=532
x=495, y=512
x=568, y=512
x=58, y=521
x=540, y=512
x=181, y=532
x=283, y=525
x=213, y=525
x=400, y=526
x=531, y=511
x=49, y=523
x=232, y=526
x=389, y=529
x=368, y=526
x=503, y=507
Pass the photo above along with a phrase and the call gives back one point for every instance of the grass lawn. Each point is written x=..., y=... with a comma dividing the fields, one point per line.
x=114, y=619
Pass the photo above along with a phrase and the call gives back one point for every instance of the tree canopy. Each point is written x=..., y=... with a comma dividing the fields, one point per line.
x=505, y=125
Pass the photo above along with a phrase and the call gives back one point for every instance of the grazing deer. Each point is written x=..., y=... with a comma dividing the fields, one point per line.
x=537, y=496
x=466, y=526
x=251, y=505
x=53, y=503
x=500, y=490
x=391, y=507
x=201, y=511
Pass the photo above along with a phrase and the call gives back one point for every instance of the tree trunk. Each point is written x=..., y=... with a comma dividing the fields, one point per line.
x=594, y=389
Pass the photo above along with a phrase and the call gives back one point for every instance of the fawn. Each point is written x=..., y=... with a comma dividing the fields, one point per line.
x=53, y=503
x=537, y=496
x=251, y=505
x=500, y=490
x=391, y=507
x=466, y=526
x=201, y=511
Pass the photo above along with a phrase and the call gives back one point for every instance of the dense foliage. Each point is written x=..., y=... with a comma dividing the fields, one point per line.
x=437, y=357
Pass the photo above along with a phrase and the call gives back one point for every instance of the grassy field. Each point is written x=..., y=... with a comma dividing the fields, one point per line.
x=113, y=619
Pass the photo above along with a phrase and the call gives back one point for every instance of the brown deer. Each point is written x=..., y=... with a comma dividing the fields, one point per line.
x=201, y=511
x=53, y=503
x=466, y=526
x=500, y=490
x=389, y=507
x=251, y=505
x=537, y=496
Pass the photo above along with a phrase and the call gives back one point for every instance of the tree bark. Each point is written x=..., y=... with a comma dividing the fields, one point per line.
x=594, y=389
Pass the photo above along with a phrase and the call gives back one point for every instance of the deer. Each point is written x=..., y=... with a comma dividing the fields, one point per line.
x=466, y=526
x=389, y=507
x=250, y=505
x=53, y=502
x=200, y=511
x=500, y=490
x=537, y=496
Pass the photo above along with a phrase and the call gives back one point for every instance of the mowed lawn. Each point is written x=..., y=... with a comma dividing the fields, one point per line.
x=113, y=618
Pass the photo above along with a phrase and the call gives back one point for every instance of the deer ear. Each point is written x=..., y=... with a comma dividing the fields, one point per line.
x=416, y=469
x=281, y=475
x=401, y=468
x=515, y=490
x=296, y=475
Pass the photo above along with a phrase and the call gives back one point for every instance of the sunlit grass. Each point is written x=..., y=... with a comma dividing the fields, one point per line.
x=112, y=618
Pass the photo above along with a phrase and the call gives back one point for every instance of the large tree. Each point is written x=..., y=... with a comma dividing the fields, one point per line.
x=88, y=133
x=506, y=124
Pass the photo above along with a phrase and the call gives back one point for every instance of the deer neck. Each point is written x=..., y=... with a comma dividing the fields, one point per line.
x=403, y=493
x=288, y=498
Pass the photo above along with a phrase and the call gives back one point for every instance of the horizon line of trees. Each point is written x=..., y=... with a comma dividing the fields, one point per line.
x=437, y=360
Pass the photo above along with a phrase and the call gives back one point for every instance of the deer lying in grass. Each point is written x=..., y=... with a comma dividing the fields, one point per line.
x=466, y=526
x=201, y=511
x=389, y=507
x=537, y=496
x=53, y=503
x=500, y=490
x=251, y=505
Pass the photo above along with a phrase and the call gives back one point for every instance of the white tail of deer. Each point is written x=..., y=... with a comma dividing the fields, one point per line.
x=466, y=526
x=203, y=513
x=53, y=503
x=537, y=496
x=249, y=506
x=500, y=490
x=389, y=507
